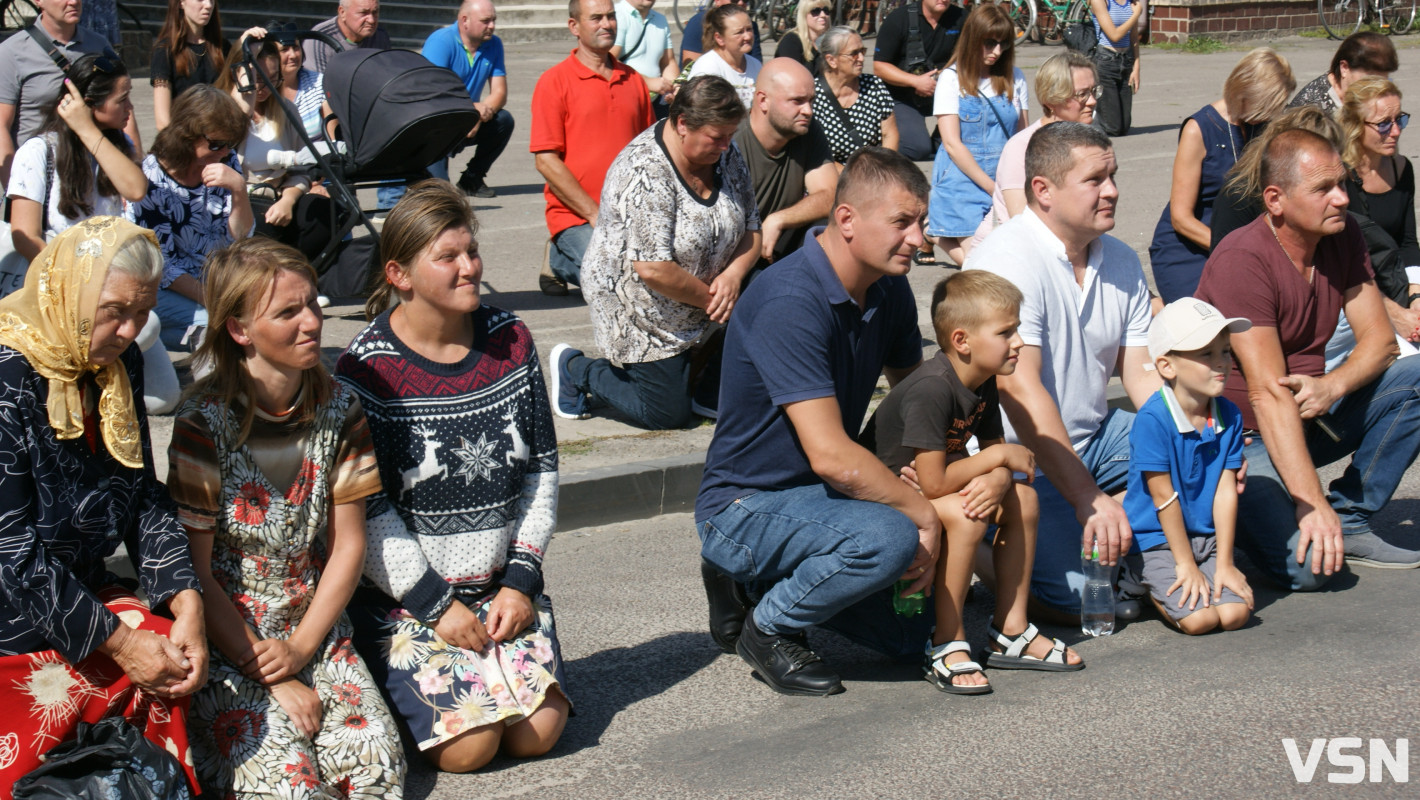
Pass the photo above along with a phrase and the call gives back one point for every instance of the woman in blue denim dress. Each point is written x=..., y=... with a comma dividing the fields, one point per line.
x=981, y=102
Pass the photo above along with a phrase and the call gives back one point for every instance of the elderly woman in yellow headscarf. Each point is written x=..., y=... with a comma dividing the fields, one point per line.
x=76, y=479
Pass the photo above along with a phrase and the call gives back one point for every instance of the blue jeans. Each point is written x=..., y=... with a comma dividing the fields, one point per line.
x=386, y=196
x=568, y=248
x=654, y=394
x=822, y=559
x=179, y=315
x=492, y=137
x=1057, y=578
x=1379, y=426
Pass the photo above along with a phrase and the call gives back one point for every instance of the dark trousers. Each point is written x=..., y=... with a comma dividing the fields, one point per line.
x=654, y=394
x=309, y=229
x=912, y=138
x=490, y=140
x=1113, y=113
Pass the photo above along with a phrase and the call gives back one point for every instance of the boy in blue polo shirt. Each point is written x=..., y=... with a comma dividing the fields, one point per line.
x=1185, y=451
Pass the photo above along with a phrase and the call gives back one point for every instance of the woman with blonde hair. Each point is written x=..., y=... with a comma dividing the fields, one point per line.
x=981, y=101
x=1209, y=142
x=456, y=629
x=814, y=18
x=271, y=465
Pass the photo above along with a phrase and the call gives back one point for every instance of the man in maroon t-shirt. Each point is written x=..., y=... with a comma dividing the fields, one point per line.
x=1292, y=272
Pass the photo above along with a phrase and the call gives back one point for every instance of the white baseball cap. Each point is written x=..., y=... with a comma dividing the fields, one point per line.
x=1189, y=324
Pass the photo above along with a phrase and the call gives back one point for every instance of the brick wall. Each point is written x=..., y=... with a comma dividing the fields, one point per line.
x=1177, y=20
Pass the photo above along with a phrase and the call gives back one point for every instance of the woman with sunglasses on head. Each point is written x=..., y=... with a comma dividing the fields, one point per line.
x=189, y=51
x=196, y=203
x=1067, y=90
x=981, y=101
x=281, y=204
x=814, y=18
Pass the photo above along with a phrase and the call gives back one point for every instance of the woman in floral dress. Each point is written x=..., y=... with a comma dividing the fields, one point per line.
x=270, y=464
x=459, y=632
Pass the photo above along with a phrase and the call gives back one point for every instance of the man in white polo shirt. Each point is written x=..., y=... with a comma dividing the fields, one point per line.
x=643, y=43
x=1085, y=316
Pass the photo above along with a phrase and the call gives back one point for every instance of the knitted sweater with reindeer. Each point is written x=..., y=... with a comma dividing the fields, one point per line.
x=468, y=457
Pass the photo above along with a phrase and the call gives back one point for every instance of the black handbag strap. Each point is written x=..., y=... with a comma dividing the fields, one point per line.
x=627, y=52
x=1010, y=131
x=48, y=46
x=915, y=54
x=842, y=112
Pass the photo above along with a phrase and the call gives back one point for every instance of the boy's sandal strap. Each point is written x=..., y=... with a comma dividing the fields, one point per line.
x=936, y=652
x=1016, y=647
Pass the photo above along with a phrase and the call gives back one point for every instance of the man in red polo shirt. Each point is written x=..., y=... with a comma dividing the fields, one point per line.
x=584, y=110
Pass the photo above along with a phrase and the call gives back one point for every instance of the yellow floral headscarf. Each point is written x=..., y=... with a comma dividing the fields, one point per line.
x=51, y=319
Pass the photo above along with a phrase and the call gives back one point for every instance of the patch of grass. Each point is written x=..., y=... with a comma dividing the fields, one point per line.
x=1314, y=33
x=1195, y=44
x=577, y=447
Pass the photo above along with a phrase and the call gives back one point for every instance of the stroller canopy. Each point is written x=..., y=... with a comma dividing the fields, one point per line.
x=398, y=113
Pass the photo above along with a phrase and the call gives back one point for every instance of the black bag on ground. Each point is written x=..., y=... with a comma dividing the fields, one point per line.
x=109, y=758
x=351, y=272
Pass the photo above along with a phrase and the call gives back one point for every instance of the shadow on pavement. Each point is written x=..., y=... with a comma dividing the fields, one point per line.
x=1141, y=130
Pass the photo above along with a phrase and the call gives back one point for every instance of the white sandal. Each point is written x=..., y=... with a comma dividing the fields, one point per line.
x=940, y=673
x=1014, y=653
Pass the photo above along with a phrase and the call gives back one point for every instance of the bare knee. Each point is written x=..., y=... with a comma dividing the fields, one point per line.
x=1199, y=622
x=958, y=529
x=467, y=751
x=1232, y=616
x=538, y=733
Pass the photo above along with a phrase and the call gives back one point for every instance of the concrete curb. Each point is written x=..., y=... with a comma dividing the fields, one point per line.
x=637, y=490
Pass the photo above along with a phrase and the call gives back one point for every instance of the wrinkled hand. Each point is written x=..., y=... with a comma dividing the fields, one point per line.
x=271, y=660
x=279, y=214
x=926, y=83
x=1107, y=525
x=1314, y=396
x=1016, y=458
x=300, y=703
x=510, y=613
x=189, y=635
x=1320, y=529
x=1194, y=585
x=257, y=33
x=982, y=495
x=460, y=627
x=485, y=112
x=221, y=176
x=724, y=291
x=152, y=662
x=1233, y=579
x=76, y=113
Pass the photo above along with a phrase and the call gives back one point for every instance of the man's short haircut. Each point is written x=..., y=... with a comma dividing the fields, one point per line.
x=1284, y=153
x=706, y=100
x=873, y=171
x=1055, y=80
x=1051, y=152
x=967, y=298
x=1366, y=51
x=574, y=9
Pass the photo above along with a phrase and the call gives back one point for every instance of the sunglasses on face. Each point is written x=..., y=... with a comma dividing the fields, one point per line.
x=1385, y=126
x=861, y=52
x=818, y=12
x=1085, y=94
x=992, y=44
x=218, y=145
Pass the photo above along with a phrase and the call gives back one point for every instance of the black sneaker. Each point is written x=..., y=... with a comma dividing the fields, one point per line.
x=567, y=400
x=474, y=187
x=728, y=606
x=786, y=663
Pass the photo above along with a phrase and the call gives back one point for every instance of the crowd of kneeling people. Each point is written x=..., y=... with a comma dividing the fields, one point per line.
x=337, y=561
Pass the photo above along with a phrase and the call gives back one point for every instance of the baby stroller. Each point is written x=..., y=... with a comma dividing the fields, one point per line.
x=397, y=114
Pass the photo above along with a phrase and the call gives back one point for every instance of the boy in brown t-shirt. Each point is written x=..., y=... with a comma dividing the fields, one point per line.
x=928, y=419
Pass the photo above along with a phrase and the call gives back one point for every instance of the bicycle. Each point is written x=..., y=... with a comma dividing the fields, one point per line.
x=1341, y=18
x=16, y=14
x=1045, y=20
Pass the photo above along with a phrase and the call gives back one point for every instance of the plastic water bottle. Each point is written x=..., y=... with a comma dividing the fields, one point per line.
x=911, y=605
x=1097, y=599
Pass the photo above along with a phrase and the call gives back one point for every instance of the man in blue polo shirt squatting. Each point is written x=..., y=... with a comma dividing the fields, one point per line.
x=790, y=504
x=469, y=48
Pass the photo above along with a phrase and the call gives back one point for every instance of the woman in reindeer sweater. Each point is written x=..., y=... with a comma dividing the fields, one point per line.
x=458, y=633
